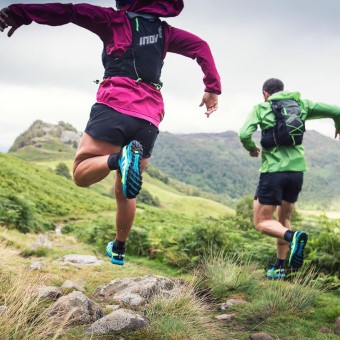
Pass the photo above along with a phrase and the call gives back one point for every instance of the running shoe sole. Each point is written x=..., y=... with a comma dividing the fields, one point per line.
x=129, y=167
x=115, y=258
x=276, y=274
x=297, y=247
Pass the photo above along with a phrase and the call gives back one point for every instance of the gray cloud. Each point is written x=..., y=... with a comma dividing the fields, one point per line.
x=252, y=40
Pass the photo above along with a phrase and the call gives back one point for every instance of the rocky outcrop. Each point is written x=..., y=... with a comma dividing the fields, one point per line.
x=134, y=292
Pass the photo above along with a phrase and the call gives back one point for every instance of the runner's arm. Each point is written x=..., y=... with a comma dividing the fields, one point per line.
x=93, y=18
x=321, y=110
x=246, y=132
x=191, y=46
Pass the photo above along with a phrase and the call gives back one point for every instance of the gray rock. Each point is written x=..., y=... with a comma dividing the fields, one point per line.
x=42, y=241
x=337, y=325
x=36, y=265
x=121, y=320
x=230, y=302
x=133, y=292
x=49, y=292
x=69, y=136
x=225, y=317
x=112, y=307
x=68, y=284
x=325, y=330
x=75, y=309
x=81, y=260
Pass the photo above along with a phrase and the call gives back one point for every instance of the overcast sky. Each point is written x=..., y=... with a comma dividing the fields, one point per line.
x=47, y=72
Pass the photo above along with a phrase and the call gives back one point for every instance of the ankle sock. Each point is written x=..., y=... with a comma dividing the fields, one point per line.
x=279, y=263
x=119, y=247
x=112, y=161
x=288, y=235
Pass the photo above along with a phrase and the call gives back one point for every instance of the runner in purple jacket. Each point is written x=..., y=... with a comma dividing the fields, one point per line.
x=123, y=123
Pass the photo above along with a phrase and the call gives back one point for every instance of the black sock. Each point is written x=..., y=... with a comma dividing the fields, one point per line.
x=112, y=161
x=288, y=235
x=279, y=263
x=120, y=247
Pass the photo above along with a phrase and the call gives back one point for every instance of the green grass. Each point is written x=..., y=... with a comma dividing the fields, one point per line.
x=49, y=194
x=173, y=200
x=170, y=198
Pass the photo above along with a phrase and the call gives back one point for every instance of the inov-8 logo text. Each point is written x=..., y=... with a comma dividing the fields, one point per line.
x=151, y=39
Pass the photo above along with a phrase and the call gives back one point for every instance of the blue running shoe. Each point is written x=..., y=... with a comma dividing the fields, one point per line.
x=276, y=273
x=116, y=258
x=129, y=167
x=297, y=247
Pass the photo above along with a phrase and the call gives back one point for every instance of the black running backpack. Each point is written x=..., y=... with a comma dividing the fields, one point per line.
x=289, y=128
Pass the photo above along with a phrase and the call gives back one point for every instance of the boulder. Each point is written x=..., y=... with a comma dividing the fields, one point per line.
x=121, y=320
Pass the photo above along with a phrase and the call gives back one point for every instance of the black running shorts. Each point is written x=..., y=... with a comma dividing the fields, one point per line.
x=116, y=128
x=275, y=187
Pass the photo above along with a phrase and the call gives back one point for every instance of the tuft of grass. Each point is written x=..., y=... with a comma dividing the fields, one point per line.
x=225, y=274
x=26, y=316
x=184, y=316
x=38, y=252
x=296, y=296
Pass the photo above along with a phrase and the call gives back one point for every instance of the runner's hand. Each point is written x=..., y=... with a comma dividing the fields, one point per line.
x=211, y=102
x=255, y=153
x=7, y=21
x=337, y=133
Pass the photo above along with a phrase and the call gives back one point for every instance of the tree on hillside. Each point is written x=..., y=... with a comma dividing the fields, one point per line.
x=62, y=170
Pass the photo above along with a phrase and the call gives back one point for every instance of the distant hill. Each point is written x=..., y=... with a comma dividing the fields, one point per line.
x=46, y=141
x=215, y=163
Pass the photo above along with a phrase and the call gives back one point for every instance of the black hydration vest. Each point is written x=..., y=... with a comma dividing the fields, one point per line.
x=143, y=60
x=289, y=127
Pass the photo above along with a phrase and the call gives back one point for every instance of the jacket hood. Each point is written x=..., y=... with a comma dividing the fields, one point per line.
x=159, y=8
x=285, y=95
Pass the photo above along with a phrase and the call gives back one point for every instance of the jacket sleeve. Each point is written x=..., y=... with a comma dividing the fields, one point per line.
x=321, y=110
x=93, y=18
x=191, y=46
x=247, y=130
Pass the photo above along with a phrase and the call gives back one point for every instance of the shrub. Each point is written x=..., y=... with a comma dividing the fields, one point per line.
x=146, y=198
x=324, y=246
x=38, y=252
x=156, y=173
x=16, y=212
x=62, y=170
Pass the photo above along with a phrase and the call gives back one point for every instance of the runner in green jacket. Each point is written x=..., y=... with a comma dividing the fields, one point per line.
x=281, y=175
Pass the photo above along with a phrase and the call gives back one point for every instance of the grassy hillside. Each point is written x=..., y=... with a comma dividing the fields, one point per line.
x=171, y=195
x=39, y=192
